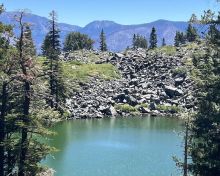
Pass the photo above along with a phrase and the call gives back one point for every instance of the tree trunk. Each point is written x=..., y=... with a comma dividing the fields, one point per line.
x=24, y=138
x=10, y=161
x=2, y=128
x=26, y=104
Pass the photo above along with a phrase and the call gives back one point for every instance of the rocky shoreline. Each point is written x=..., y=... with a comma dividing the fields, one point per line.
x=151, y=83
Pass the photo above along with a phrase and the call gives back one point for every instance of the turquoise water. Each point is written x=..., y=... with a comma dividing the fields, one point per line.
x=116, y=147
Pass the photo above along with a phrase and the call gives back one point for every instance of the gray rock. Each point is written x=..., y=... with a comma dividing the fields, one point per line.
x=131, y=100
x=179, y=81
x=113, y=111
x=172, y=91
x=144, y=110
x=119, y=55
x=134, y=82
x=153, y=106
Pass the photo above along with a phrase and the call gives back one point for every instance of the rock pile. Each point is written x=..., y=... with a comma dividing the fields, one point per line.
x=151, y=83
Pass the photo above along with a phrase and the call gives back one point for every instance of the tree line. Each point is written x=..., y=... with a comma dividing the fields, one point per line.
x=180, y=38
x=77, y=41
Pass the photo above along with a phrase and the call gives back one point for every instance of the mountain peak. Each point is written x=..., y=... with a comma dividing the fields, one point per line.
x=101, y=23
x=118, y=36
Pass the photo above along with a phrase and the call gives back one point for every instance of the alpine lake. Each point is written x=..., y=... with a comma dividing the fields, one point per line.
x=138, y=146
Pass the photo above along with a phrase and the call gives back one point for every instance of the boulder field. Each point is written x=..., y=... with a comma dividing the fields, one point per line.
x=154, y=83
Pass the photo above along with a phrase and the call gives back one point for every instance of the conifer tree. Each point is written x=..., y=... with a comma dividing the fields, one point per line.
x=179, y=39
x=163, y=42
x=139, y=42
x=191, y=33
x=33, y=112
x=205, y=131
x=153, y=39
x=77, y=41
x=29, y=42
x=182, y=38
x=7, y=65
x=134, y=41
x=103, y=45
x=51, y=49
x=193, y=19
x=23, y=110
x=213, y=34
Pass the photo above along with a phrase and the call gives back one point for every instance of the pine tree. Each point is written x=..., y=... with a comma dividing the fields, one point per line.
x=153, y=39
x=32, y=108
x=103, y=45
x=46, y=46
x=193, y=19
x=29, y=42
x=191, y=33
x=134, y=41
x=205, y=131
x=179, y=39
x=139, y=42
x=163, y=42
x=77, y=41
x=213, y=34
x=7, y=65
x=51, y=49
x=23, y=110
x=182, y=38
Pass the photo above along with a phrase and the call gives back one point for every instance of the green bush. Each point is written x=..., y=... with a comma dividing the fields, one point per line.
x=125, y=108
x=172, y=109
x=168, y=50
x=179, y=70
x=144, y=105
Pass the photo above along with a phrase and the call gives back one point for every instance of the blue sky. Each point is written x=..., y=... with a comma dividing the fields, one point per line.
x=81, y=12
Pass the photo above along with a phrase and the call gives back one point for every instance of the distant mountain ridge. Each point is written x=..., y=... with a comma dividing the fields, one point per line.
x=118, y=36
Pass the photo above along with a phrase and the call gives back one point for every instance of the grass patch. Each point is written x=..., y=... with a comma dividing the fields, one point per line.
x=172, y=109
x=192, y=45
x=179, y=71
x=125, y=108
x=92, y=57
x=168, y=50
x=80, y=71
x=76, y=70
x=188, y=62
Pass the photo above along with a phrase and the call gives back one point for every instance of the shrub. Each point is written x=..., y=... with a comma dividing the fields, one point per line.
x=167, y=50
x=171, y=109
x=125, y=108
x=179, y=71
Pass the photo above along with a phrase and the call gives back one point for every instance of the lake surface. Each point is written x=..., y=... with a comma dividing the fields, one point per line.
x=116, y=147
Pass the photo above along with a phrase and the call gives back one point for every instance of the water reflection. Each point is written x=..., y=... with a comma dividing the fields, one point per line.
x=112, y=147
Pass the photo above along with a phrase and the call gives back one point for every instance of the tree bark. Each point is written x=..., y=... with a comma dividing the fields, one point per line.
x=26, y=104
x=2, y=128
